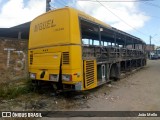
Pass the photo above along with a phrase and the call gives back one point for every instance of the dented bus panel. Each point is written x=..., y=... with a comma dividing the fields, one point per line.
x=75, y=51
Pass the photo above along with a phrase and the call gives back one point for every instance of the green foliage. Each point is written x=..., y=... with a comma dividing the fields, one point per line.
x=10, y=91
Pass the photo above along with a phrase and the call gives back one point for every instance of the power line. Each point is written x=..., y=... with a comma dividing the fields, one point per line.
x=117, y=0
x=75, y=7
x=136, y=13
x=58, y=2
x=157, y=17
x=112, y=13
x=61, y=2
x=64, y=1
x=120, y=18
x=151, y=4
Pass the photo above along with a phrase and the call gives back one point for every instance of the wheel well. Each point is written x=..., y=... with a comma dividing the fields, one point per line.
x=114, y=71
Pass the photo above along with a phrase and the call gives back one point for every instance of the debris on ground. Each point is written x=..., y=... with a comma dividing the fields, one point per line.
x=109, y=85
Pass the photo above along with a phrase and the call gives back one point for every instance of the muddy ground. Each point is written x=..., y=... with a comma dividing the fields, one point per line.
x=139, y=91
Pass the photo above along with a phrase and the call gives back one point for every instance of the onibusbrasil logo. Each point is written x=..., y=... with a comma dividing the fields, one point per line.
x=21, y=114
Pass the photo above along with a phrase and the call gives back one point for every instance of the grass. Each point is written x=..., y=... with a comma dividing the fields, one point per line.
x=10, y=90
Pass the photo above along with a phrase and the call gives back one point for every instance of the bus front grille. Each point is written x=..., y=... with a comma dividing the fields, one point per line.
x=89, y=73
x=65, y=56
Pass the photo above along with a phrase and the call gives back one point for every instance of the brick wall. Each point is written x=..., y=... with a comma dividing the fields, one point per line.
x=13, y=59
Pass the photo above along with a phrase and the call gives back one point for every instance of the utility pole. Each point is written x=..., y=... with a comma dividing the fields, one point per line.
x=48, y=5
x=150, y=37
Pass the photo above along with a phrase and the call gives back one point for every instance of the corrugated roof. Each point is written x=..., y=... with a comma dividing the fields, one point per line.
x=13, y=31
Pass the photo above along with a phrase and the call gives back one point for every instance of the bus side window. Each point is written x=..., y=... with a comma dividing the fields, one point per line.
x=85, y=41
x=96, y=42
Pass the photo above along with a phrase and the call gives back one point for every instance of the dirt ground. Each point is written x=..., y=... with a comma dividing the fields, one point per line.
x=139, y=91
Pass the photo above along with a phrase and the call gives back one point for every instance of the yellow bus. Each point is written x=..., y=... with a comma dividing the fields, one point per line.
x=74, y=51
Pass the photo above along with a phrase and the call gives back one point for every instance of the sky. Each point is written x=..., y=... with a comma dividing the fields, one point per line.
x=141, y=19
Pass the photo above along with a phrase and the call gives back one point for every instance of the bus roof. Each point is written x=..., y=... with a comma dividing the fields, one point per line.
x=94, y=20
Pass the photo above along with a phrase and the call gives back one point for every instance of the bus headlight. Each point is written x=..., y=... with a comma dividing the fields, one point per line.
x=32, y=75
x=67, y=77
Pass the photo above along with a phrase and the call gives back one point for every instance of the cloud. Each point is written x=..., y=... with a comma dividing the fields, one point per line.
x=15, y=12
x=128, y=13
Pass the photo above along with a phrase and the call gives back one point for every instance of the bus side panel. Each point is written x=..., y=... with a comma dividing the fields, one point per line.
x=74, y=28
x=90, y=74
x=74, y=66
